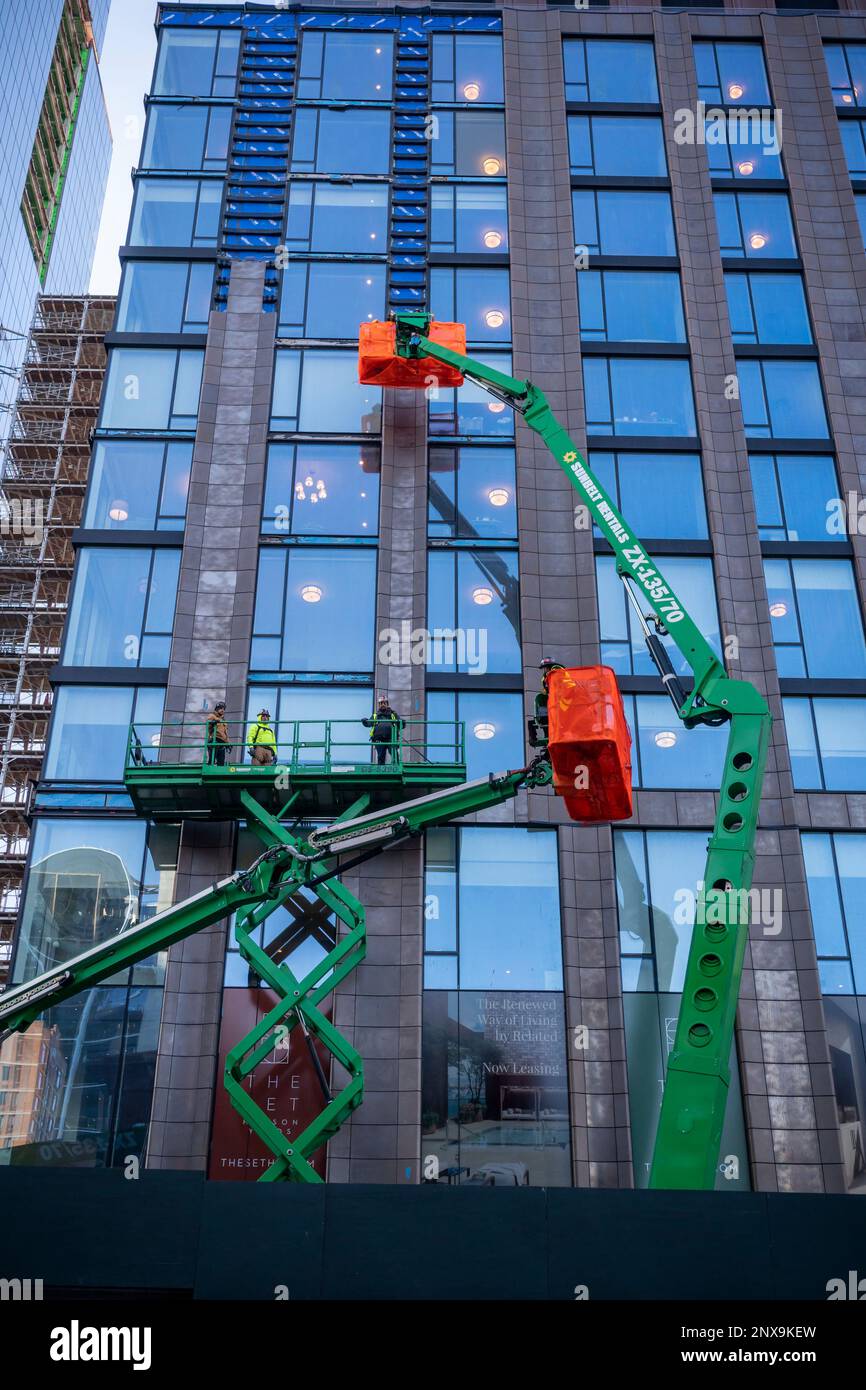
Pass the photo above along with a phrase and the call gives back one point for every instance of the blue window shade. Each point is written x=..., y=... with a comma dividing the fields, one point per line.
x=731, y=74
x=186, y=137
x=318, y=391
x=617, y=145
x=152, y=388
x=827, y=742
x=755, y=225
x=315, y=610
x=640, y=306
x=478, y=298
x=815, y=616
x=797, y=497
x=322, y=490
x=165, y=297
x=90, y=730
x=643, y=485
x=767, y=308
x=328, y=217
x=622, y=640
x=609, y=70
x=122, y=608
x=329, y=299
x=138, y=484
x=473, y=600
x=619, y=222
x=176, y=212
x=350, y=67
x=638, y=396
x=781, y=400
x=341, y=142
x=493, y=723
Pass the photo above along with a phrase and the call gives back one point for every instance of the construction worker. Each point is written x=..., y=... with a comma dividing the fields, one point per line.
x=261, y=740
x=217, y=735
x=386, y=726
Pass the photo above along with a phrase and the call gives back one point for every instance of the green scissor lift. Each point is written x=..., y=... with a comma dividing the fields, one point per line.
x=696, y=1088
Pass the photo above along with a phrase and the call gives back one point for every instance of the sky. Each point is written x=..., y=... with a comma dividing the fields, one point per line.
x=126, y=65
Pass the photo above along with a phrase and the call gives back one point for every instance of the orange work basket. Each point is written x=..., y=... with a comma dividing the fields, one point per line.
x=589, y=743
x=379, y=365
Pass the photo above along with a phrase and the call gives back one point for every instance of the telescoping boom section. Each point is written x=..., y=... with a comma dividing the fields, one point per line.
x=582, y=750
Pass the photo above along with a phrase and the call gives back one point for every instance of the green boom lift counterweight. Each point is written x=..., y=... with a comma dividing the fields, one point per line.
x=696, y=1088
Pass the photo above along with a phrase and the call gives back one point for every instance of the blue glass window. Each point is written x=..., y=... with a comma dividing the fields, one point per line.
x=781, y=400
x=186, y=137
x=638, y=396
x=472, y=492
x=635, y=306
x=322, y=490
x=341, y=142
x=610, y=70
x=469, y=217
x=492, y=904
x=854, y=145
x=300, y=716
x=315, y=610
x=318, y=392
x=330, y=217
x=665, y=754
x=467, y=67
x=470, y=411
x=622, y=640
x=470, y=144
x=329, y=299
x=138, y=485
x=643, y=485
x=731, y=74
x=658, y=875
x=122, y=607
x=152, y=389
x=90, y=730
x=473, y=603
x=165, y=297
x=796, y=497
x=619, y=222
x=846, y=65
x=351, y=67
x=493, y=728
x=176, y=212
x=755, y=225
x=197, y=62
x=827, y=742
x=816, y=623
x=836, y=879
x=621, y=146
x=860, y=203
x=748, y=151
x=479, y=298
x=767, y=308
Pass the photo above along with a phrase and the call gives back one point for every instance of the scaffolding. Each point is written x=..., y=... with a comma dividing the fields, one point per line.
x=42, y=482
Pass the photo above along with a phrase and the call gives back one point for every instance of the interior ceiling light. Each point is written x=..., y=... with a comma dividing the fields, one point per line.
x=490, y=165
x=472, y=91
x=498, y=496
x=757, y=241
x=482, y=596
x=494, y=318
x=778, y=610
x=119, y=510
x=492, y=240
x=847, y=98
x=665, y=738
x=746, y=168
x=311, y=593
x=496, y=407
x=483, y=731
x=735, y=91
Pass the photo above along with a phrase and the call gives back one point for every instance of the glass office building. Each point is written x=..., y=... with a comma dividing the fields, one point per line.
x=55, y=149
x=554, y=178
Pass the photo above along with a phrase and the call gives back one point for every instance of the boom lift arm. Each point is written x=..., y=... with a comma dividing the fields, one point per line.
x=696, y=1088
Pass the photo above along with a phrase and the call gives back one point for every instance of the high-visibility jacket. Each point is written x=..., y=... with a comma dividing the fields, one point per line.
x=261, y=734
x=385, y=724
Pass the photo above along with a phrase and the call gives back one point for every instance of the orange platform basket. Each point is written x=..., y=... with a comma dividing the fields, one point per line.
x=379, y=365
x=589, y=743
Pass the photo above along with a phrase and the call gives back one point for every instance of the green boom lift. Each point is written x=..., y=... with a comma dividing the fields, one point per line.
x=696, y=1089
